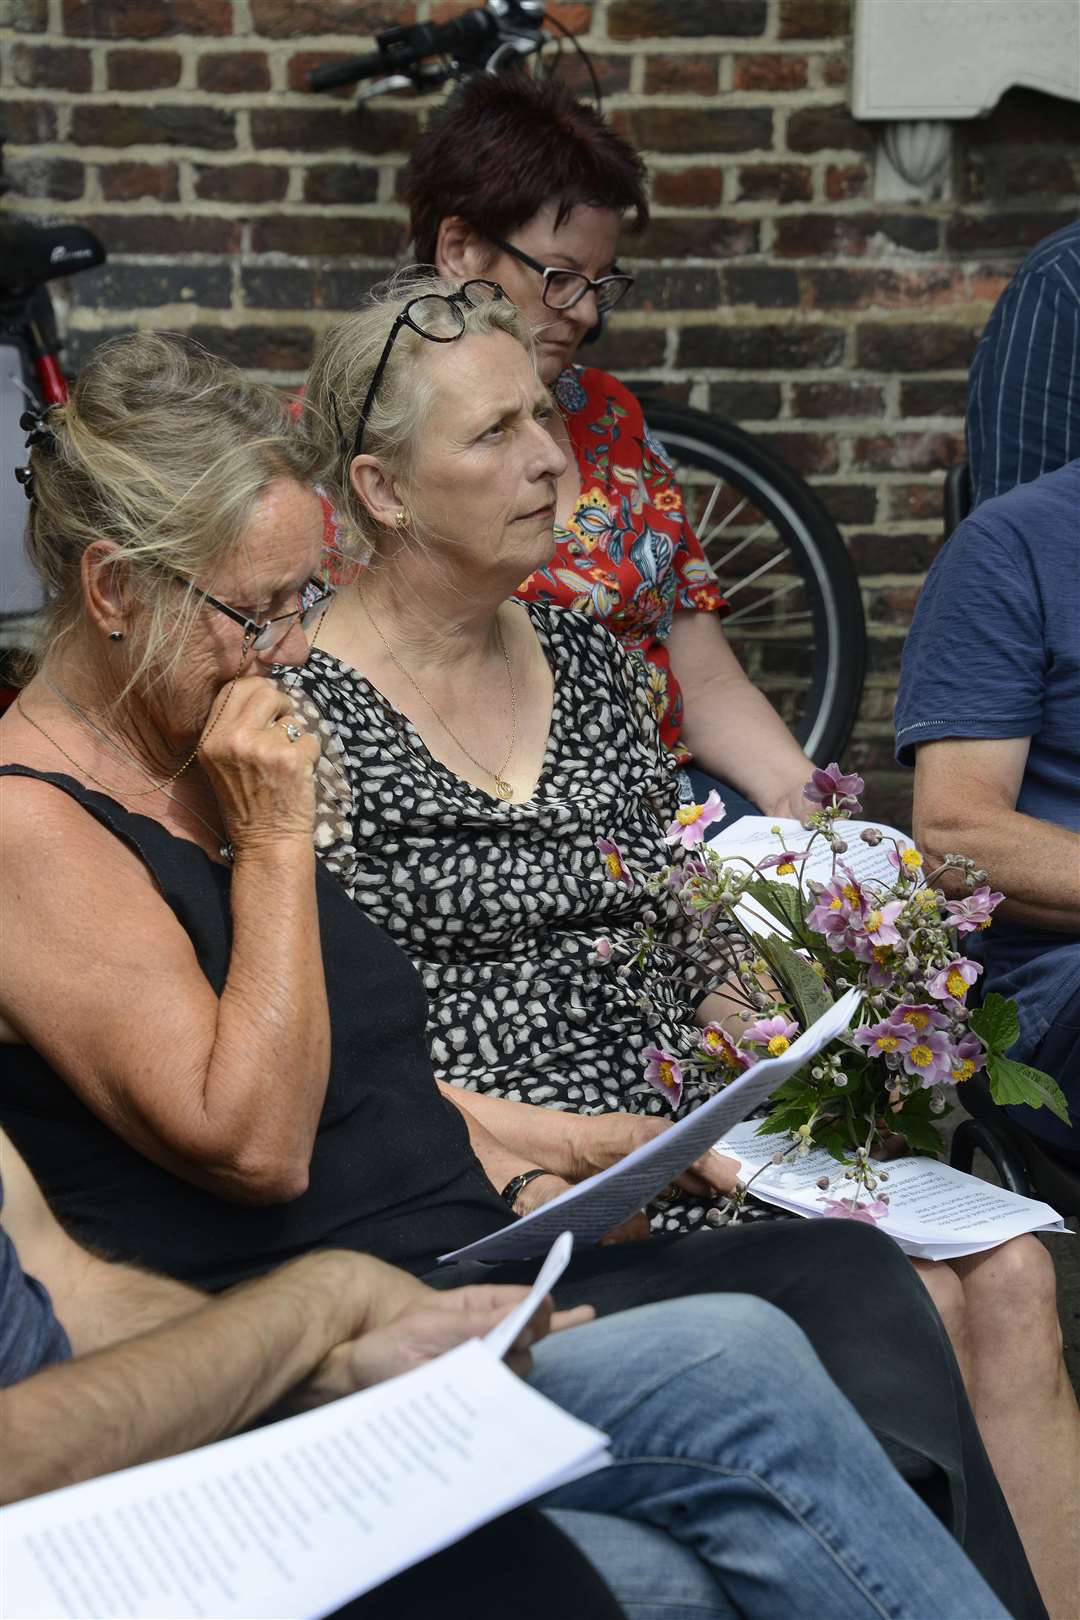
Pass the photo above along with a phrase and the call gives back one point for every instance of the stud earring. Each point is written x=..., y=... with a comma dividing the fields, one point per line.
x=400, y=516
x=116, y=635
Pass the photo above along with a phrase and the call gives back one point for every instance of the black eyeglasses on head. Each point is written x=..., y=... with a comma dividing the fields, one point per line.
x=440, y=318
x=564, y=288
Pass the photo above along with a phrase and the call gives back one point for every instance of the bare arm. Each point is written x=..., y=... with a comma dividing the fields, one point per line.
x=965, y=803
x=101, y=979
x=731, y=728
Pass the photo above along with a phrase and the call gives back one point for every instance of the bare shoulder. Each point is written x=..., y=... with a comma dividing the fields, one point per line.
x=46, y=834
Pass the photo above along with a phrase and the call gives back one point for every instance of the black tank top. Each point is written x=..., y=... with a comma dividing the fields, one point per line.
x=392, y=1171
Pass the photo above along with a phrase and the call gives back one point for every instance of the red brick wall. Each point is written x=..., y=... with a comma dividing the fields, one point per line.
x=773, y=288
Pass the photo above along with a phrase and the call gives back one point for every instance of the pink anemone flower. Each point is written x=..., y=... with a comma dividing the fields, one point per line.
x=968, y=1057
x=784, y=862
x=664, y=1072
x=954, y=980
x=831, y=787
x=715, y=1042
x=691, y=820
x=918, y=1015
x=774, y=1034
x=928, y=1058
x=885, y=1038
x=615, y=866
x=974, y=910
x=846, y=1209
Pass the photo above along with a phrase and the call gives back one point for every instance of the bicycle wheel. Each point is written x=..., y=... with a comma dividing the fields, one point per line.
x=796, y=620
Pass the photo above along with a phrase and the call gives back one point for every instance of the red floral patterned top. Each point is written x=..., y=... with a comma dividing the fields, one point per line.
x=628, y=556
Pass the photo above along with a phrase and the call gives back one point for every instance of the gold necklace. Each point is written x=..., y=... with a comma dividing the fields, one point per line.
x=503, y=789
x=225, y=848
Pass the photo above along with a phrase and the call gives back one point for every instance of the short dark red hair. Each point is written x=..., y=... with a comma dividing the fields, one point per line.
x=503, y=146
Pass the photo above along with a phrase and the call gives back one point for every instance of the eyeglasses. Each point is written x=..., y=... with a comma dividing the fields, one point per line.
x=313, y=598
x=565, y=288
x=436, y=316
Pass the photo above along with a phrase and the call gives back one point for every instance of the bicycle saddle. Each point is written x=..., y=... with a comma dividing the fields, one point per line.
x=33, y=254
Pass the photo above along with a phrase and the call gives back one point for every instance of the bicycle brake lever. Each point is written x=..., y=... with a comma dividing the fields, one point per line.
x=384, y=87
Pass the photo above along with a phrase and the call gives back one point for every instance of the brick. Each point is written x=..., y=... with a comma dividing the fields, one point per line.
x=849, y=503
x=883, y=655
x=775, y=71
x=1002, y=232
x=116, y=124
x=143, y=70
x=146, y=286
x=277, y=286
x=169, y=233
x=330, y=129
x=738, y=401
x=260, y=348
x=928, y=346
x=683, y=75
x=925, y=501
x=836, y=70
x=241, y=182
x=699, y=187
x=51, y=67
x=59, y=179
x=29, y=123
x=814, y=19
x=775, y=182
x=701, y=129
x=689, y=236
x=810, y=235
x=848, y=398
x=231, y=73
x=313, y=234
x=145, y=19
x=340, y=183
x=909, y=553
x=844, y=181
x=286, y=19
x=621, y=347
x=761, y=348
x=909, y=452
x=612, y=72
x=933, y=396
x=127, y=182
x=345, y=288
x=699, y=288
x=29, y=16
x=813, y=129
x=689, y=19
x=303, y=63
x=999, y=176
x=842, y=288
x=763, y=285
x=807, y=453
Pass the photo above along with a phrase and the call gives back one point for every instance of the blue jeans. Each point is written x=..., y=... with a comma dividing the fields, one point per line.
x=728, y=1435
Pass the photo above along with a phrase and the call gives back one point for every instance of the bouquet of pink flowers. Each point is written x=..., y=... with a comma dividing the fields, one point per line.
x=899, y=941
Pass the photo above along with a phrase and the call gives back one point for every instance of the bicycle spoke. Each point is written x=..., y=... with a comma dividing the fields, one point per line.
x=720, y=563
x=757, y=573
x=745, y=616
x=725, y=522
x=755, y=607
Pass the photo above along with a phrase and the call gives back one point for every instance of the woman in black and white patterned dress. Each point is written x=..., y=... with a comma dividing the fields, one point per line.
x=485, y=746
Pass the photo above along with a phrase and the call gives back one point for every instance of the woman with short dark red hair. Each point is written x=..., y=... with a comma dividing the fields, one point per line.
x=515, y=180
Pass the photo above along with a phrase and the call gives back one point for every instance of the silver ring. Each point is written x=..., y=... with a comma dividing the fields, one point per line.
x=292, y=731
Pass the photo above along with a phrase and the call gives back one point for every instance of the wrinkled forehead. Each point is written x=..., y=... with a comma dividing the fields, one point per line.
x=279, y=547
x=475, y=371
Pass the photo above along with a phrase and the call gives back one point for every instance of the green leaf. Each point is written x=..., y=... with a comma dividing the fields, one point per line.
x=1012, y=1083
x=798, y=978
x=780, y=901
x=922, y=1137
x=996, y=1022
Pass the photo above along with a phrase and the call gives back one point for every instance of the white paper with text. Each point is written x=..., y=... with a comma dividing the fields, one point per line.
x=753, y=837
x=293, y=1520
x=593, y=1208
x=935, y=1212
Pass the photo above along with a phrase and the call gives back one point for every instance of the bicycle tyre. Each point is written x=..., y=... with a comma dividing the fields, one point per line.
x=816, y=683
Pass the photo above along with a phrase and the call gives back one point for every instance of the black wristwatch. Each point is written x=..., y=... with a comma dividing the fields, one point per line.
x=513, y=1189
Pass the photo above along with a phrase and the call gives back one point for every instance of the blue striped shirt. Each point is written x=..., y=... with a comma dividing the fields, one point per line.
x=1023, y=415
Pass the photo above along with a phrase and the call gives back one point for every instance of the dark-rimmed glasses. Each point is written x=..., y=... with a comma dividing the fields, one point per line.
x=313, y=597
x=564, y=288
x=435, y=316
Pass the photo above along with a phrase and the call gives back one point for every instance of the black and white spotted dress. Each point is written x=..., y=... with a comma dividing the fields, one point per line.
x=499, y=905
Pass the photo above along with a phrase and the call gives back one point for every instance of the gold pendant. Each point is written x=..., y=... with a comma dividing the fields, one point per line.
x=503, y=788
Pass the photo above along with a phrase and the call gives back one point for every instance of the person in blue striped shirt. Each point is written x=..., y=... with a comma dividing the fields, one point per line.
x=1023, y=416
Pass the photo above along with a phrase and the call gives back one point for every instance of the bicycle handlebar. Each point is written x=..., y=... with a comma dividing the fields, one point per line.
x=401, y=50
